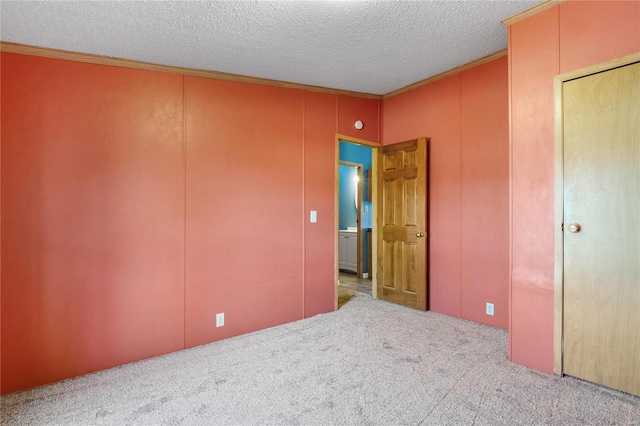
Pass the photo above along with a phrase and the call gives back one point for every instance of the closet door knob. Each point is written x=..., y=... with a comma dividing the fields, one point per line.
x=419, y=234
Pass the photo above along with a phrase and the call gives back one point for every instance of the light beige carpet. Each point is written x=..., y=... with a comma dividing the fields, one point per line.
x=369, y=363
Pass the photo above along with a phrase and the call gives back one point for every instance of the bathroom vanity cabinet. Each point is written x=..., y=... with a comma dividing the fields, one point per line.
x=348, y=250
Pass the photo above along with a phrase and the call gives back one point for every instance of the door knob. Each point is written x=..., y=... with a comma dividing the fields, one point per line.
x=574, y=227
x=419, y=234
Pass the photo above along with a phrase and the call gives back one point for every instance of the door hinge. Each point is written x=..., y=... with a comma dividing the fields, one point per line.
x=562, y=227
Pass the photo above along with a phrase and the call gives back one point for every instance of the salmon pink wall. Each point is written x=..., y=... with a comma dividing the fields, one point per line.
x=569, y=36
x=92, y=191
x=591, y=32
x=531, y=330
x=485, y=192
x=143, y=203
x=244, y=207
x=319, y=158
x=351, y=109
x=466, y=117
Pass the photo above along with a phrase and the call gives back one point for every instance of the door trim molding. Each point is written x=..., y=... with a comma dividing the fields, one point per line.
x=336, y=213
x=558, y=234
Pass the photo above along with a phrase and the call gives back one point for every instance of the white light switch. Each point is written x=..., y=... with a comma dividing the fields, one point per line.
x=313, y=217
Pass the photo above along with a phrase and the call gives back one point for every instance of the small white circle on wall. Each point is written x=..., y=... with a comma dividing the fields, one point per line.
x=359, y=125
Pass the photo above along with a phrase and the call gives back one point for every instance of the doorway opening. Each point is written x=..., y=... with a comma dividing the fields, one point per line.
x=355, y=218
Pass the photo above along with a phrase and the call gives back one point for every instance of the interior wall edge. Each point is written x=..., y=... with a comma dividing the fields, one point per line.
x=510, y=224
x=184, y=228
x=304, y=206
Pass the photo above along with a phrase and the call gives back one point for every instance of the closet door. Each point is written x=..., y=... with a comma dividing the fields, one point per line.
x=601, y=122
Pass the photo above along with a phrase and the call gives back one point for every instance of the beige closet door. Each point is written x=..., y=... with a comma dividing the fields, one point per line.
x=601, y=121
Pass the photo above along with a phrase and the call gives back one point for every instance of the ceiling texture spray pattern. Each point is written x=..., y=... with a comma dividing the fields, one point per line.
x=364, y=46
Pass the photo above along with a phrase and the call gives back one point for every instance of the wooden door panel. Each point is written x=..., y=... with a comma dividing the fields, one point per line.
x=389, y=210
x=388, y=275
x=601, y=326
x=410, y=214
x=400, y=233
x=402, y=220
x=410, y=253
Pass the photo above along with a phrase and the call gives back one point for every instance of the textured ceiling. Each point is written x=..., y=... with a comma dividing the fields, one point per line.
x=364, y=46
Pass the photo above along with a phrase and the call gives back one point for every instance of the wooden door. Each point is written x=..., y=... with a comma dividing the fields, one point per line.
x=601, y=155
x=402, y=223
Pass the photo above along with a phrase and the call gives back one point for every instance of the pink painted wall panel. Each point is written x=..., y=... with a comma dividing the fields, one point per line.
x=466, y=117
x=404, y=115
x=319, y=172
x=245, y=211
x=531, y=334
x=485, y=192
x=597, y=31
x=442, y=116
x=351, y=109
x=534, y=62
x=93, y=193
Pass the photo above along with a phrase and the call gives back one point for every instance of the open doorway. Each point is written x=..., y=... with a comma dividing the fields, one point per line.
x=355, y=216
x=399, y=221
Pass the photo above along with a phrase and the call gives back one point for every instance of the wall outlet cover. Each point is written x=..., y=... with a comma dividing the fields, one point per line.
x=220, y=319
x=489, y=308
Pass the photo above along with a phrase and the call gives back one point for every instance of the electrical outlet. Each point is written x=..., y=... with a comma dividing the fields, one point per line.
x=489, y=308
x=220, y=319
x=313, y=217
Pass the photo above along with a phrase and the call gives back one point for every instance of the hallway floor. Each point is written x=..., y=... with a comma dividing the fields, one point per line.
x=352, y=282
